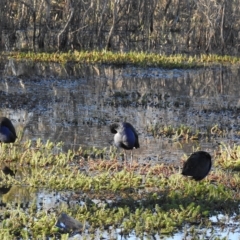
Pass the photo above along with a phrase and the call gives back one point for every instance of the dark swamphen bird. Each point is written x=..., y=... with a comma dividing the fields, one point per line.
x=7, y=131
x=198, y=165
x=125, y=136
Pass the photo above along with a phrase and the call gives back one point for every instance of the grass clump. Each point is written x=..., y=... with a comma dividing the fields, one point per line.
x=229, y=157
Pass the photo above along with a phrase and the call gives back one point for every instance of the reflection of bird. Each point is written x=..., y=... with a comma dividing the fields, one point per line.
x=197, y=165
x=7, y=131
x=7, y=171
x=4, y=190
x=125, y=136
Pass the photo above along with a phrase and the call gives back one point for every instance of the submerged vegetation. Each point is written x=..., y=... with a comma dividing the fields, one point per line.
x=141, y=198
x=133, y=58
x=184, y=132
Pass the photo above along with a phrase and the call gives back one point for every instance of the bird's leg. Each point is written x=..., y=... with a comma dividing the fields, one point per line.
x=9, y=150
x=125, y=157
x=131, y=159
x=122, y=156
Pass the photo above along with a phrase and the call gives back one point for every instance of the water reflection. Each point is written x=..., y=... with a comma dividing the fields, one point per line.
x=19, y=195
x=76, y=103
x=25, y=196
x=47, y=201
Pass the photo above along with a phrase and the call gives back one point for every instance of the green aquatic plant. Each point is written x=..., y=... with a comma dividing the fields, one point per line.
x=141, y=198
x=177, y=133
x=183, y=132
x=228, y=157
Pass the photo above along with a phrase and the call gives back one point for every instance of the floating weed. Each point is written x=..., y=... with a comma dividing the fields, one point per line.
x=184, y=132
x=217, y=131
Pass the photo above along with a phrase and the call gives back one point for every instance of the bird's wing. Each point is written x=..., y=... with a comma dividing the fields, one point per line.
x=7, y=123
x=135, y=134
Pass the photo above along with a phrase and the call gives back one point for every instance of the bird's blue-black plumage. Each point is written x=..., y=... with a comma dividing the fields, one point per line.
x=7, y=131
x=125, y=135
x=198, y=165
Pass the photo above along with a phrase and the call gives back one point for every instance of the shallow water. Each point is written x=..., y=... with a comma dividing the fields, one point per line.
x=52, y=201
x=76, y=103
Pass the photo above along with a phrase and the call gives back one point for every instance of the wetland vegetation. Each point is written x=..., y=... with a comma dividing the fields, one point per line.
x=175, y=114
x=148, y=200
x=169, y=67
x=131, y=58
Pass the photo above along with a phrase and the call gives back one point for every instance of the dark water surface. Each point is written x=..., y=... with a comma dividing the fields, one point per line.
x=77, y=103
